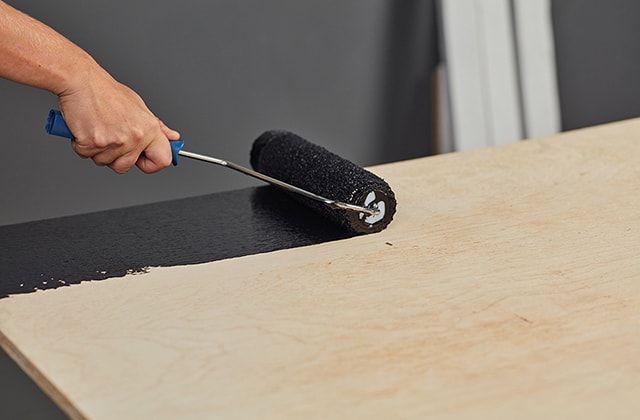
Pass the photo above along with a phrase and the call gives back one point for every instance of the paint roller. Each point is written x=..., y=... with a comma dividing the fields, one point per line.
x=337, y=189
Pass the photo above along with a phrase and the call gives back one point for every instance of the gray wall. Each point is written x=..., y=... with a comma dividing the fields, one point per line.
x=598, y=60
x=350, y=75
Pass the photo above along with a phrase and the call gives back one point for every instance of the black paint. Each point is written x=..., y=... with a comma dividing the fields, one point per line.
x=57, y=252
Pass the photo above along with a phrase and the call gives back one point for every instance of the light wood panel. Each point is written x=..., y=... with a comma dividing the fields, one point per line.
x=507, y=287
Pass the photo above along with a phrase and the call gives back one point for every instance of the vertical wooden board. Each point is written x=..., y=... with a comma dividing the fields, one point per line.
x=482, y=73
x=462, y=45
x=541, y=108
x=500, y=68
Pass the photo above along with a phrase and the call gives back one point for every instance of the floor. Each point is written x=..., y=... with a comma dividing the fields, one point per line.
x=20, y=398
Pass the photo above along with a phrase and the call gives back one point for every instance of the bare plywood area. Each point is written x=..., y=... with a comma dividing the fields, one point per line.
x=508, y=286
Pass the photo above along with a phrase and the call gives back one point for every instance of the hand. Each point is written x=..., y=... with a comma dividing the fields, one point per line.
x=113, y=126
x=111, y=123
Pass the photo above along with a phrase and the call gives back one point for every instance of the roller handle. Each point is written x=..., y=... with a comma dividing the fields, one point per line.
x=57, y=126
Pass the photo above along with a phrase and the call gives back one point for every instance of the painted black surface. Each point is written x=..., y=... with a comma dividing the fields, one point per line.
x=63, y=251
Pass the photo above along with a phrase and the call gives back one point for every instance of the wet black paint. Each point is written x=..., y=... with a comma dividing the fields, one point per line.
x=63, y=251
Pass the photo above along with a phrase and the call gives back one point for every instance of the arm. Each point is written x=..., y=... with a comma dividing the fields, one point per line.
x=112, y=124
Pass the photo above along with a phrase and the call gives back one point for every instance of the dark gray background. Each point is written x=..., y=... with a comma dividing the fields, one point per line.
x=352, y=75
x=598, y=60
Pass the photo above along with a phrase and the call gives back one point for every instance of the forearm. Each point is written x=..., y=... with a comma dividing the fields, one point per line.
x=36, y=55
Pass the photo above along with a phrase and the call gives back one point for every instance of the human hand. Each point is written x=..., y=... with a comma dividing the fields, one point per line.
x=110, y=122
x=113, y=126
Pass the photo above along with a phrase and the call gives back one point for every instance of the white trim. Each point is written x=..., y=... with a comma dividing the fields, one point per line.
x=462, y=62
x=500, y=73
x=538, y=78
x=479, y=54
x=500, y=64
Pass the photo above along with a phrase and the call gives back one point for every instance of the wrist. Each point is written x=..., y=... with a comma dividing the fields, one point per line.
x=77, y=74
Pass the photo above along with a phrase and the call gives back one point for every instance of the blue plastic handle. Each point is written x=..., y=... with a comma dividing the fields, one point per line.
x=57, y=126
x=176, y=146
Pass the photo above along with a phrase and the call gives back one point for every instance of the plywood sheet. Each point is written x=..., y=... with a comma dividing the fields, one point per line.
x=507, y=287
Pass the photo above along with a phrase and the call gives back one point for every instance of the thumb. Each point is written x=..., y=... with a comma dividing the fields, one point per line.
x=170, y=133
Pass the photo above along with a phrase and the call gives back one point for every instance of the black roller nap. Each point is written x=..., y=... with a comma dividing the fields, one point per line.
x=288, y=157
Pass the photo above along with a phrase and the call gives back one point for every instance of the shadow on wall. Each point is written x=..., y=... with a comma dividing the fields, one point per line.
x=406, y=113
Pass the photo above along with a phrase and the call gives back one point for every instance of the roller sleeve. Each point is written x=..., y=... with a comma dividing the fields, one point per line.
x=292, y=159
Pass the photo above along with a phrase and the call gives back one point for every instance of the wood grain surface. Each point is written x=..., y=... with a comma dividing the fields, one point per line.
x=507, y=287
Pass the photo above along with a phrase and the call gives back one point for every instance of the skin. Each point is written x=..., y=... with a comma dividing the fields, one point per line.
x=110, y=121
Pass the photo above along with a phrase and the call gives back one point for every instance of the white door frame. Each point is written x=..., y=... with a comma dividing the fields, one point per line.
x=498, y=72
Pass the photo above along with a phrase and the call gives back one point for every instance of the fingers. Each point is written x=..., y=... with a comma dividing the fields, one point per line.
x=122, y=163
x=113, y=158
x=155, y=157
x=80, y=150
x=150, y=151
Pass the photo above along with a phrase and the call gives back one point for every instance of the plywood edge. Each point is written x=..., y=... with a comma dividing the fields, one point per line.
x=40, y=379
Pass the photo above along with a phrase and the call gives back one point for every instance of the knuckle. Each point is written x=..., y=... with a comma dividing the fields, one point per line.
x=118, y=140
x=100, y=142
x=138, y=132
